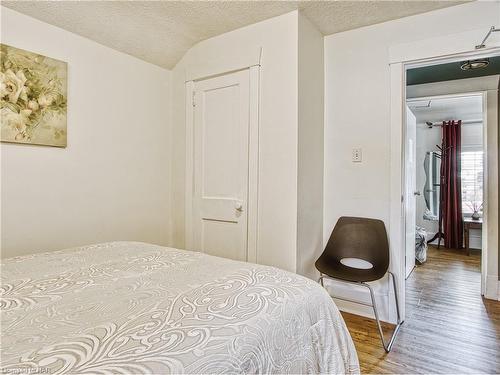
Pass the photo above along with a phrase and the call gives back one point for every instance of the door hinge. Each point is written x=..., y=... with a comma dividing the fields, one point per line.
x=194, y=99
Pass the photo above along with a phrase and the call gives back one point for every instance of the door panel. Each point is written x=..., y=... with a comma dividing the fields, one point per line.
x=222, y=238
x=221, y=125
x=411, y=176
x=220, y=148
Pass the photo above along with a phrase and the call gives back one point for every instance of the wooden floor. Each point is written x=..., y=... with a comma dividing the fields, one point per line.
x=449, y=327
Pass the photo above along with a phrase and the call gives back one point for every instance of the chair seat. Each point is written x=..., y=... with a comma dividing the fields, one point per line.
x=334, y=269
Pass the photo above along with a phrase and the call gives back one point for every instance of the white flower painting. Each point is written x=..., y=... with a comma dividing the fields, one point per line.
x=33, y=93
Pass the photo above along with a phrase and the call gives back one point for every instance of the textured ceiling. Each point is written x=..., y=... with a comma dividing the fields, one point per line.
x=161, y=32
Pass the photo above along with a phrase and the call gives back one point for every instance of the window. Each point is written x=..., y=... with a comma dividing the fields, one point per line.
x=472, y=181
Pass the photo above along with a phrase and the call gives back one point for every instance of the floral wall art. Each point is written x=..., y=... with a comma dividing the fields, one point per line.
x=33, y=90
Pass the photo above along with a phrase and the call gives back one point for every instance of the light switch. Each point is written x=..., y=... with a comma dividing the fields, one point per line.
x=356, y=155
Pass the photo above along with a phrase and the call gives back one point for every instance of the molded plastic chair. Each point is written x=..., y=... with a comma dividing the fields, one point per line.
x=358, y=252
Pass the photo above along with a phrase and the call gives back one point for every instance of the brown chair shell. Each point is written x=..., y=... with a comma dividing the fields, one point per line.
x=356, y=237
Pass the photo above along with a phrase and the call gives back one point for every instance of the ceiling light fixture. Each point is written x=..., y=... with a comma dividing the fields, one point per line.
x=475, y=64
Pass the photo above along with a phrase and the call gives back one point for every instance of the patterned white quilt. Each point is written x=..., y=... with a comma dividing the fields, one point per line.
x=128, y=307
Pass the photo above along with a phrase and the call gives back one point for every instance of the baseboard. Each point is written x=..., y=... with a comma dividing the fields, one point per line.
x=492, y=288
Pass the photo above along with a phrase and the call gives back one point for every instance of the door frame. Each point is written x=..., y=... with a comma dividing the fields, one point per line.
x=449, y=48
x=253, y=157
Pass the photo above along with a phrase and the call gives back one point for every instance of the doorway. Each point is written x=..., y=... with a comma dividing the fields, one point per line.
x=476, y=102
x=430, y=182
x=428, y=53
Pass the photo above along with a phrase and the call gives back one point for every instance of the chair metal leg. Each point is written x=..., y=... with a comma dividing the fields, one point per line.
x=396, y=297
x=387, y=346
x=320, y=280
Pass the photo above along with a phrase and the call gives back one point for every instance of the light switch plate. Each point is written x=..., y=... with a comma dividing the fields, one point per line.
x=357, y=155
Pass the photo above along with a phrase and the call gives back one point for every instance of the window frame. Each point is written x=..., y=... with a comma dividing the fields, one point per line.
x=466, y=211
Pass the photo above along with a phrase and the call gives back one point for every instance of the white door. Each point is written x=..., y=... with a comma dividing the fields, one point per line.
x=411, y=175
x=220, y=165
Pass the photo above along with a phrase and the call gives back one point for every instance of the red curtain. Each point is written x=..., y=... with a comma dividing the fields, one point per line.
x=451, y=184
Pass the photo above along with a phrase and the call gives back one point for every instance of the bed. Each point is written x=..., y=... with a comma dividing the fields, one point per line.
x=128, y=307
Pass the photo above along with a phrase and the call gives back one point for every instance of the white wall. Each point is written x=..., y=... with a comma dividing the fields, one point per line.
x=277, y=212
x=357, y=107
x=310, y=147
x=112, y=181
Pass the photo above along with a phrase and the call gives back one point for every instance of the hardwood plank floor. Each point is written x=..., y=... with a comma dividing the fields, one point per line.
x=449, y=327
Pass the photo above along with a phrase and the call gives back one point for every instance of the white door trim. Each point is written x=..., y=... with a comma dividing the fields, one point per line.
x=486, y=207
x=429, y=52
x=219, y=65
x=189, y=165
x=397, y=212
x=253, y=162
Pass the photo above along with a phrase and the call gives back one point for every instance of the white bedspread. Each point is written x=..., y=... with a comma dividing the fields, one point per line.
x=127, y=307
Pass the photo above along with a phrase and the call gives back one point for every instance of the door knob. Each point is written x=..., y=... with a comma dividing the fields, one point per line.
x=238, y=205
x=416, y=193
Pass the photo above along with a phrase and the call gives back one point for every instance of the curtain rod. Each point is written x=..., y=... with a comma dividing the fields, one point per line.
x=440, y=123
